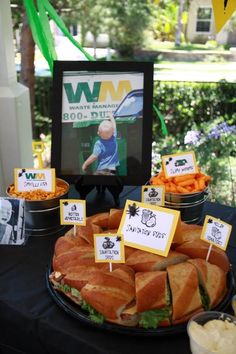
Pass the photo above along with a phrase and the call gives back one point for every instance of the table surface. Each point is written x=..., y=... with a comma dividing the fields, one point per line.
x=31, y=321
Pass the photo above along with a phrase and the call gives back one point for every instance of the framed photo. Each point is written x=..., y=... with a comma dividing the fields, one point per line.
x=12, y=221
x=102, y=122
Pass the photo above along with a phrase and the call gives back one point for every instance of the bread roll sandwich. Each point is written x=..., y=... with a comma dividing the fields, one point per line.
x=212, y=282
x=149, y=290
x=153, y=299
x=142, y=261
x=76, y=256
x=110, y=293
x=199, y=249
x=185, y=292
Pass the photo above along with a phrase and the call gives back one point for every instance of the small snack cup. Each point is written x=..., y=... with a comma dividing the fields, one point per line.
x=212, y=332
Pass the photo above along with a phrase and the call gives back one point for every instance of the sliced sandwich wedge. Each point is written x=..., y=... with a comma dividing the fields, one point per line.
x=212, y=280
x=152, y=299
x=185, y=292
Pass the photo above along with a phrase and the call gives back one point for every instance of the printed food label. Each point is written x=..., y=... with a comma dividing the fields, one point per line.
x=216, y=232
x=179, y=164
x=148, y=227
x=72, y=212
x=26, y=180
x=109, y=248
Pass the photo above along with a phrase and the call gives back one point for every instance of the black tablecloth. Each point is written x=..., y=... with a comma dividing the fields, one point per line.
x=31, y=322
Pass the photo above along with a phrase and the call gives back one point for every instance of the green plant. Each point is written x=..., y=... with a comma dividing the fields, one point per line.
x=199, y=107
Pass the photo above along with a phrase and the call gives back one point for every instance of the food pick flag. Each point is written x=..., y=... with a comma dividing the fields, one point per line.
x=223, y=10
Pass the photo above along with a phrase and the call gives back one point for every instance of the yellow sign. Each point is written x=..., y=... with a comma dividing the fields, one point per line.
x=72, y=212
x=179, y=164
x=109, y=248
x=26, y=179
x=154, y=195
x=223, y=10
x=148, y=227
x=216, y=232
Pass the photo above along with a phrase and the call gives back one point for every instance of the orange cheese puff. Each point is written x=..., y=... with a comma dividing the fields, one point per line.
x=156, y=181
x=207, y=178
x=190, y=188
x=188, y=182
x=182, y=189
x=196, y=186
x=201, y=183
x=173, y=188
x=179, y=179
x=167, y=188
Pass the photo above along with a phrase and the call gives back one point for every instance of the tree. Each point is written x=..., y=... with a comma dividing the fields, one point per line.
x=165, y=14
x=179, y=23
x=127, y=20
x=91, y=16
x=27, y=49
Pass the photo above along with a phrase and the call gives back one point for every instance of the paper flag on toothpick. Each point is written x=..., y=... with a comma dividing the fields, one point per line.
x=223, y=10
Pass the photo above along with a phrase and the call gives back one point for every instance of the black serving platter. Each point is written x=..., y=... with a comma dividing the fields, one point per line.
x=75, y=311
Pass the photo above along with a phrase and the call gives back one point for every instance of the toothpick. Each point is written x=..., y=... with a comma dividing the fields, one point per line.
x=209, y=251
x=74, y=230
x=110, y=266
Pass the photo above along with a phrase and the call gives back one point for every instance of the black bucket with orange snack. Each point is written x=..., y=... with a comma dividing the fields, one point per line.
x=190, y=205
x=186, y=193
x=42, y=217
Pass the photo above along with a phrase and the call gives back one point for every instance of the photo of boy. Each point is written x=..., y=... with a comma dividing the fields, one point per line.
x=6, y=230
x=105, y=150
x=11, y=221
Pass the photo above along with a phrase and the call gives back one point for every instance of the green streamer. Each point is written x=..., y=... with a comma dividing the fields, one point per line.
x=41, y=31
x=162, y=120
x=47, y=30
x=53, y=14
x=38, y=32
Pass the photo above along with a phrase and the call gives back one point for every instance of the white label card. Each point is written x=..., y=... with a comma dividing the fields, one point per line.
x=32, y=179
x=72, y=212
x=179, y=164
x=216, y=232
x=109, y=248
x=148, y=227
x=154, y=195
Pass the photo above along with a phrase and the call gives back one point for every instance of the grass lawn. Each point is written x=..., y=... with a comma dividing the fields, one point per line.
x=209, y=46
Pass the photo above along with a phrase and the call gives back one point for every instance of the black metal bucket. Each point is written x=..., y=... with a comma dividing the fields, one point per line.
x=42, y=217
x=190, y=205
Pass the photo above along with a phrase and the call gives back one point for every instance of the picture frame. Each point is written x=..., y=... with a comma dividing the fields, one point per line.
x=12, y=221
x=85, y=93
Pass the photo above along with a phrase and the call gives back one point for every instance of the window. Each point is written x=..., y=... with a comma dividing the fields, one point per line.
x=204, y=16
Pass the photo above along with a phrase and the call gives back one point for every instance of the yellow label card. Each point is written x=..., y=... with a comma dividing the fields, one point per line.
x=72, y=212
x=109, y=248
x=26, y=179
x=154, y=195
x=179, y=164
x=216, y=232
x=148, y=227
